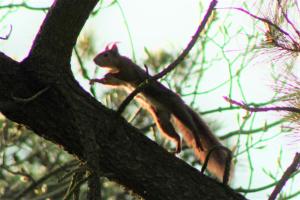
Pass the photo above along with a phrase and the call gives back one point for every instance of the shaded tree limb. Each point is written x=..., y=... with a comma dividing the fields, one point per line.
x=125, y=152
x=65, y=113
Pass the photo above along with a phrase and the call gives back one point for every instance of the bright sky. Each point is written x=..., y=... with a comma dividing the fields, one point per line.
x=157, y=24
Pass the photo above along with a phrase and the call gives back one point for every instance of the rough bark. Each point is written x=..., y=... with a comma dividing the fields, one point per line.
x=65, y=113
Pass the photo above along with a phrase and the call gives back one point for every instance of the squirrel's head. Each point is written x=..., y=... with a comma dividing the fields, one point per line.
x=109, y=58
x=121, y=70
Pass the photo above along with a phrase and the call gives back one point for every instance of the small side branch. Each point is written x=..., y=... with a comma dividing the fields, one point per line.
x=287, y=174
x=23, y=5
x=287, y=18
x=262, y=109
x=191, y=44
x=175, y=63
x=131, y=96
x=7, y=35
x=265, y=21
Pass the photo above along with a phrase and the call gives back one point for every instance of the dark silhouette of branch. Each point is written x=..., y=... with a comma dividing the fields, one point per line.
x=221, y=109
x=175, y=63
x=262, y=109
x=286, y=175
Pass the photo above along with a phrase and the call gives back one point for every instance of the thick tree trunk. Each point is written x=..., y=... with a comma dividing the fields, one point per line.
x=41, y=93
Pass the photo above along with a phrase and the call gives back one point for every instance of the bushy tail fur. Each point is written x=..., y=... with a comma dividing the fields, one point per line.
x=218, y=157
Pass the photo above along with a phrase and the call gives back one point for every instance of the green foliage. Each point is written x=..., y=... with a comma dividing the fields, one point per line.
x=33, y=168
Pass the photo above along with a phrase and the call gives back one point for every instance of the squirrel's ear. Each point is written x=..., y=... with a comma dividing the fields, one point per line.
x=114, y=48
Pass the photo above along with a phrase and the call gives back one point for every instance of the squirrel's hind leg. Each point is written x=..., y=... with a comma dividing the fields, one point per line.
x=163, y=121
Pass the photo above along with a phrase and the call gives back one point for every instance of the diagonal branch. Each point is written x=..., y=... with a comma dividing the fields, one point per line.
x=190, y=45
x=286, y=175
x=262, y=109
x=176, y=62
x=66, y=113
x=265, y=21
x=282, y=10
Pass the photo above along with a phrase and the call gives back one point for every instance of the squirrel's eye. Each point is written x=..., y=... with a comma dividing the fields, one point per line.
x=105, y=55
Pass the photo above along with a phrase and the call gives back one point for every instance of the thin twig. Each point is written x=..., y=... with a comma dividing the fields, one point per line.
x=263, y=109
x=263, y=128
x=287, y=19
x=263, y=20
x=131, y=96
x=44, y=178
x=258, y=189
x=190, y=44
x=286, y=175
x=127, y=28
x=23, y=5
x=8, y=34
x=147, y=70
x=75, y=187
x=18, y=173
x=178, y=60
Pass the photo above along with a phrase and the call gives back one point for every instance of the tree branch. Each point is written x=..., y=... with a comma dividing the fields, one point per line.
x=66, y=113
x=176, y=62
x=263, y=109
x=287, y=174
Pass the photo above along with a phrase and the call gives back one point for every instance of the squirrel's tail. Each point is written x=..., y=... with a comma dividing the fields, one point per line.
x=218, y=157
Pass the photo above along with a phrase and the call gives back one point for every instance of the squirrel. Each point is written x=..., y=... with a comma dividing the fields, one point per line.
x=165, y=106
